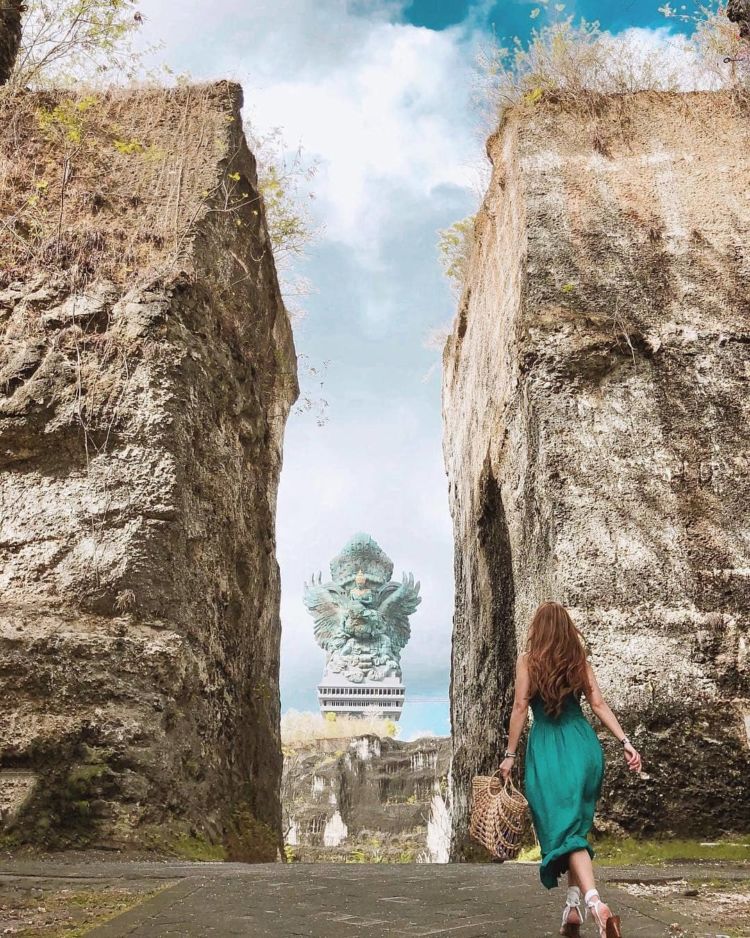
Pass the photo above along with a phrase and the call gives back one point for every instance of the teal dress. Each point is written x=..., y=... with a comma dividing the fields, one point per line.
x=563, y=781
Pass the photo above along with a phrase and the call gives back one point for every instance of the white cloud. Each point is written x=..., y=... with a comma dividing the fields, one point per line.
x=391, y=115
x=670, y=54
x=372, y=100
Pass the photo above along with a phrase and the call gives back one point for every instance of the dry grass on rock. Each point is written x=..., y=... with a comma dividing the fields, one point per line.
x=110, y=184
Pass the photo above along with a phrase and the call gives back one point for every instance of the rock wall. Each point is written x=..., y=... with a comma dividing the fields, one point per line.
x=10, y=36
x=146, y=372
x=596, y=414
x=367, y=800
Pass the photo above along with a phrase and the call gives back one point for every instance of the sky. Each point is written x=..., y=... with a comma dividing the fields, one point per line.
x=381, y=96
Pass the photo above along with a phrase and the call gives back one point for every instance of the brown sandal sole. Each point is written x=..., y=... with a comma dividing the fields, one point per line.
x=571, y=931
x=613, y=927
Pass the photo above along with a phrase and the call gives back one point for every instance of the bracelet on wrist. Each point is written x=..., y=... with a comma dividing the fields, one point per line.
x=509, y=755
x=625, y=741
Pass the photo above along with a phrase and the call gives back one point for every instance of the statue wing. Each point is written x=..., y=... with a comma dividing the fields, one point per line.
x=397, y=601
x=324, y=603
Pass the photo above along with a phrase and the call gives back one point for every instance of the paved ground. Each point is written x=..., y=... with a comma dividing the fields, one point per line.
x=342, y=901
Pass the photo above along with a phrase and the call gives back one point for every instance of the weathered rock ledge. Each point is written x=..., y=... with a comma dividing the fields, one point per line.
x=367, y=800
x=146, y=372
x=596, y=414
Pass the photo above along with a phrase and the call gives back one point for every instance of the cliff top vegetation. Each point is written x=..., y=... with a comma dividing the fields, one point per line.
x=298, y=728
x=92, y=141
x=574, y=64
x=111, y=183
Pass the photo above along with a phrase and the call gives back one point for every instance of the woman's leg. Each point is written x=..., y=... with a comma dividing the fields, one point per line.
x=572, y=917
x=582, y=868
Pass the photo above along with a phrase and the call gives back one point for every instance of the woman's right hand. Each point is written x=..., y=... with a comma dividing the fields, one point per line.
x=632, y=757
x=506, y=767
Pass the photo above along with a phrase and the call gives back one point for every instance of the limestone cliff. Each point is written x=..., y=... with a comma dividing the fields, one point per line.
x=367, y=800
x=146, y=372
x=596, y=415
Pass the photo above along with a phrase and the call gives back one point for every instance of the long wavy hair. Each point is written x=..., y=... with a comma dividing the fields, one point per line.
x=556, y=656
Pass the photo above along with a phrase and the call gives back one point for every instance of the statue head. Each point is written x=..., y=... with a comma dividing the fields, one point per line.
x=360, y=579
x=361, y=553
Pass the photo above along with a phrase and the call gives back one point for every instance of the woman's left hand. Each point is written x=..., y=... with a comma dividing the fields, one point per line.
x=632, y=757
x=506, y=767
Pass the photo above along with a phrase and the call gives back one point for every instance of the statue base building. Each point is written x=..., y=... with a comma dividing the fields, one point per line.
x=371, y=698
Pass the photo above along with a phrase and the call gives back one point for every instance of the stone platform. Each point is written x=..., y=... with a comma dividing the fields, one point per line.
x=342, y=901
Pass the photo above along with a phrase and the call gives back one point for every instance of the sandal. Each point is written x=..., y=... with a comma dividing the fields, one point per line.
x=607, y=923
x=572, y=918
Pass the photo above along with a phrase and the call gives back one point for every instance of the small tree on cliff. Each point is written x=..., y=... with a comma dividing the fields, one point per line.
x=720, y=41
x=10, y=36
x=454, y=249
x=66, y=41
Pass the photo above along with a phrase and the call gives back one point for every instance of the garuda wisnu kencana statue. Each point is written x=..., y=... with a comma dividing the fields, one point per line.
x=361, y=615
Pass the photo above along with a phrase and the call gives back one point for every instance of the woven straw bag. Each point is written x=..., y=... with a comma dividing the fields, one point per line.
x=499, y=815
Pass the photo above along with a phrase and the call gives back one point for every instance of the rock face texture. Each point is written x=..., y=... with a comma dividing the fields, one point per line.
x=367, y=800
x=146, y=372
x=10, y=36
x=596, y=441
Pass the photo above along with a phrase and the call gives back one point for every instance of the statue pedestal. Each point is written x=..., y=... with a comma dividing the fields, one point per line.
x=370, y=698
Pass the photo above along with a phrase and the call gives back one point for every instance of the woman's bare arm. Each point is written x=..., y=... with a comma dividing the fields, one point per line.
x=603, y=712
x=518, y=714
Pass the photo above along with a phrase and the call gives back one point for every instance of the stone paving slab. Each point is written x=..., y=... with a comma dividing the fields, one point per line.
x=347, y=900
x=343, y=901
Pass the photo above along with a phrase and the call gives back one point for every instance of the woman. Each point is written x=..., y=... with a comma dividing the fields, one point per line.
x=564, y=759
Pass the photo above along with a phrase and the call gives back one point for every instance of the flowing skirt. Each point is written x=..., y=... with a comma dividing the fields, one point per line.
x=563, y=782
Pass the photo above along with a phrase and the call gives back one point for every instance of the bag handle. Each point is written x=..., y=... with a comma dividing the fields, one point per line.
x=506, y=782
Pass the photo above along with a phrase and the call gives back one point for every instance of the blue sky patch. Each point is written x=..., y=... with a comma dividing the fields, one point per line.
x=508, y=18
x=436, y=14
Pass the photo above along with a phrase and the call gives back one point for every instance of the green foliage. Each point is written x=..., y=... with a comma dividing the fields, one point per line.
x=284, y=181
x=63, y=812
x=613, y=852
x=454, y=250
x=287, y=227
x=530, y=854
x=390, y=728
x=299, y=728
x=370, y=853
x=569, y=61
x=249, y=840
x=128, y=146
x=67, y=41
x=67, y=151
x=68, y=122
x=195, y=847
